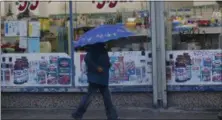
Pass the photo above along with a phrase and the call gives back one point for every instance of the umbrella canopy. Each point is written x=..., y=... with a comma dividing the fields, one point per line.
x=103, y=34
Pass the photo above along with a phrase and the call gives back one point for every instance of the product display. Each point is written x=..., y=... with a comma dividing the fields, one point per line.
x=195, y=30
x=26, y=35
x=185, y=21
x=64, y=71
x=195, y=56
x=194, y=67
x=128, y=68
x=41, y=70
x=135, y=21
x=37, y=51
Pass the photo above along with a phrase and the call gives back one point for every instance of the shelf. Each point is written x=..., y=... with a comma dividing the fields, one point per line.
x=211, y=30
x=78, y=27
x=137, y=35
x=83, y=26
x=208, y=30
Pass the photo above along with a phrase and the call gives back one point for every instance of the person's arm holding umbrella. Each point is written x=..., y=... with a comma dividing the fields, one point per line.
x=93, y=66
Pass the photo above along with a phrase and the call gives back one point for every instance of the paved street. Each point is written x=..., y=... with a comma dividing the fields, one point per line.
x=63, y=114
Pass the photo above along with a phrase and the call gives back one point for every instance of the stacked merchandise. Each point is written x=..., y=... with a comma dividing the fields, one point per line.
x=186, y=19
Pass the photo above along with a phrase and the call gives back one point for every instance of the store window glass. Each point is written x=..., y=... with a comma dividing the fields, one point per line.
x=34, y=44
x=130, y=56
x=32, y=27
x=193, y=43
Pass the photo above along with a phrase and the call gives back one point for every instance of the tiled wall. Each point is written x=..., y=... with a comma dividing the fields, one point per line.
x=179, y=100
x=71, y=100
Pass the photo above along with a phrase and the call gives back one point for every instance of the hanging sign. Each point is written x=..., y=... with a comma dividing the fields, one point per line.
x=111, y=3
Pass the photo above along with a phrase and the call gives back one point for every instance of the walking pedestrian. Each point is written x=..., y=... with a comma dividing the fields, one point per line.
x=98, y=64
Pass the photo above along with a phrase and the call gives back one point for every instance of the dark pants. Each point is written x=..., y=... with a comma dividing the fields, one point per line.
x=220, y=115
x=86, y=100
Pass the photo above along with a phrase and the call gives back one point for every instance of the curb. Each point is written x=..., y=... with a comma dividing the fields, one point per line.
x=158, y=110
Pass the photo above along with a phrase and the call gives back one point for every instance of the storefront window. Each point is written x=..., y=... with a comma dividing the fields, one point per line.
x=34, y=45
x=130, y=56
x=27, y=29
x=194, y=43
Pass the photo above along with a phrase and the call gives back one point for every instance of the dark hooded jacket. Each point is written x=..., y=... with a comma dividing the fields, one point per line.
x=97, y=56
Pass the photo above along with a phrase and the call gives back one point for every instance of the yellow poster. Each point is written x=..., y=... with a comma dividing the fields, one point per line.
x=34, y=29
x=30, y=29
x=41, y=23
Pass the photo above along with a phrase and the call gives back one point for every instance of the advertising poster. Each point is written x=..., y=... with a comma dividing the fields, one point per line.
x=127, y=69
x=15, y=28
x=23, y=43
x=196, y=67
x=11, y=28
x=36, y=69
x=33, y=45
x=23, y=29
x=34, y=29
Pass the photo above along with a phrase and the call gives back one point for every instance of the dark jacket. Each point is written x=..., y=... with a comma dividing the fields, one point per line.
x=97, y=56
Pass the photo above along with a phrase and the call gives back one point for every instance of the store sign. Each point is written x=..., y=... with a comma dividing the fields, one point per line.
x=24, y=5
x=111, y=3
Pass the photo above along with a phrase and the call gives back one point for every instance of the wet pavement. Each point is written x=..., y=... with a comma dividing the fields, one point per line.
x=133, y=114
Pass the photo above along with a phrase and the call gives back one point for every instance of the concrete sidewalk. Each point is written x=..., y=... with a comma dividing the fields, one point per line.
x=65, y=114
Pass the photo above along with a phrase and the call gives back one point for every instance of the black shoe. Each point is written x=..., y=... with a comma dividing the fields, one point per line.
x=114, y=118
x=75, y=117
x=220, y=116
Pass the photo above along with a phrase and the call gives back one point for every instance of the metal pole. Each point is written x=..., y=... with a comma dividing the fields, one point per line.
x=220, y=35
x=161, y=53
x=71, y=29
x=154, y=54
x=1, y=22
x=0, y=37
x=158, y=54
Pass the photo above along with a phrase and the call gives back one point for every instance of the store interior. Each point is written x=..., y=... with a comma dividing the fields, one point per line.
x=198, y=28
x=187, y=28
